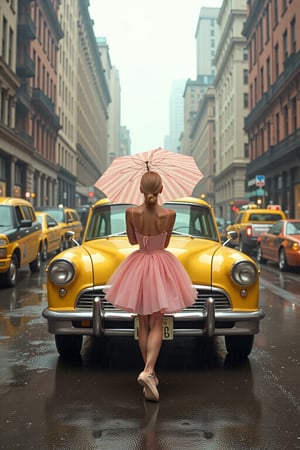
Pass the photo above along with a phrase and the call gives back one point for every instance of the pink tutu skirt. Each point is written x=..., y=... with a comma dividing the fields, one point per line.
x=148, y=282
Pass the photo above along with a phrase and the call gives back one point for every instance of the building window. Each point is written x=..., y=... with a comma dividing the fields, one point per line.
x=269, y=134
x=286, y=120
x=277, y=131
x=293, y=36
x=275, y=12
x=246, y=150
x=268, y=73
x=284, y=6
x=262, y=87
x=2, y=106
x=245, y=54
x=267, y=23
x=245, y=76
x=285, y=45
x=276, y=60
x=262, y=142
x=255, y=91
x=4, y=32
x=254, y=48
x=10, y=47
x=294, y=113
x=246, y=100
x=261, y=36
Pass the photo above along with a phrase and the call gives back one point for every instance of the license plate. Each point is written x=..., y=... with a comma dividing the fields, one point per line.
x=167, y=328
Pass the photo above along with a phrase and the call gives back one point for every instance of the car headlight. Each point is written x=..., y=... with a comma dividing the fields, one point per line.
x=3, y=241
x=61, y=271
x=244, y=273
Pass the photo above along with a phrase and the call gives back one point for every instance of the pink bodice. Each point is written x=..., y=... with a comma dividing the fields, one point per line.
x=151, y=243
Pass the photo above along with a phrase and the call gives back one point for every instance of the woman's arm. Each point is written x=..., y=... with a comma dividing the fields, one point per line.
x=171, y=221
x=129, y=227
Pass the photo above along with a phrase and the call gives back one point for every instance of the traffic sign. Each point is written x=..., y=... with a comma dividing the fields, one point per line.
x=260, y=180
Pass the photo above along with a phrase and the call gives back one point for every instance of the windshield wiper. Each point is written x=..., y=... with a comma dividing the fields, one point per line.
x=121, y=233
x=179, y=233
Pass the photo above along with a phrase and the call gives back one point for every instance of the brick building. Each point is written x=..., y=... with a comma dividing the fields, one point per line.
x=273, y=124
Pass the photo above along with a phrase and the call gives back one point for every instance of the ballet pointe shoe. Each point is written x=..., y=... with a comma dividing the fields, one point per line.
x=156, y=380
x=149, y=384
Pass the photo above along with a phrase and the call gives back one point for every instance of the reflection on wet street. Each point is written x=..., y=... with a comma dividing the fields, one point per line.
x=207, y=401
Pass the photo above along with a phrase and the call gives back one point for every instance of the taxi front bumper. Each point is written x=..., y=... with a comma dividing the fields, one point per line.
x=113, y=322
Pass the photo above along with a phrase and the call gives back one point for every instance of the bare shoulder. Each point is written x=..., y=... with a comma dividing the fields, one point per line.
x=164, y=212
x=170, y=212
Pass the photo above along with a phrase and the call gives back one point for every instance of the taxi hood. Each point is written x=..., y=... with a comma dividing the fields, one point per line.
x=194, y=254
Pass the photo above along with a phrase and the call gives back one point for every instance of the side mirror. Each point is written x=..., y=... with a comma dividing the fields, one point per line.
x=231, y=236
x=69, y=236
x=52, y=224
x=25, y=223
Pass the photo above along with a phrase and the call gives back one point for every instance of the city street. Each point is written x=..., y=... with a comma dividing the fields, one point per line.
x=207, y=401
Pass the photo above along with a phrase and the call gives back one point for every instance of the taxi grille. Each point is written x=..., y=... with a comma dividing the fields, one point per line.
x=86, y=299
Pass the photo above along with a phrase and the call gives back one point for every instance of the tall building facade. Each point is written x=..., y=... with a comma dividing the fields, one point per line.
x=203, y=145
x=11, y=177
x=125, y=142
x=207, y=38
x=231, y=86
x=193, y=93
x=176, y=115
x=54, y=101
x=273, y=124
x=93, y=98
x=114, y=108
x=66, y=154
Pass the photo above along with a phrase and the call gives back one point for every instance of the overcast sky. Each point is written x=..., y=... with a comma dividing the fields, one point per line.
x=151, y=43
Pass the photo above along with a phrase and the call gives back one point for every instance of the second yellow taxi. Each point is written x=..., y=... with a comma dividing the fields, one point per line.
x=52, y=234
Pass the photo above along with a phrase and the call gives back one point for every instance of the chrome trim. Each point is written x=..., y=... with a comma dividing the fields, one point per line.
x=222, y=301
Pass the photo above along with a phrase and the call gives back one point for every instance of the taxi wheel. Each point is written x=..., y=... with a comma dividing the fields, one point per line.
x=243, y=247
x=282, y=262
x=259, y=255
x=61, y=246
x=36, y=264
x=44, y=253
x=239, y=346
x=68, y=346
x=11, y=276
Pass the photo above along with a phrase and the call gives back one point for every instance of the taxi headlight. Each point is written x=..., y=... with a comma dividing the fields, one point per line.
x=61, y=271
x=244, y=273
x=3, y=241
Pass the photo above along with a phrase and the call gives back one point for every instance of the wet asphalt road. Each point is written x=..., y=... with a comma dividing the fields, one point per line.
x=207, y=401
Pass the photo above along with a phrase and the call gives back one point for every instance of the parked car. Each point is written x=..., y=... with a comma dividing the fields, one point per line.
x=20, y=239
x=250, y=223
x=53, y=234
x=281, y=244
x=68, y=218
x=227, y=282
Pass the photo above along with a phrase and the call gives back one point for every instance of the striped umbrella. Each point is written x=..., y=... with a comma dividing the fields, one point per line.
x=121, y=181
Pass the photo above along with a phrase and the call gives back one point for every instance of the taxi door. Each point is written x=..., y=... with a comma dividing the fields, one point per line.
x=30, y=235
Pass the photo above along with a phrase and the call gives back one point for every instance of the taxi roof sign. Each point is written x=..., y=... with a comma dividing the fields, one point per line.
x=274, y=207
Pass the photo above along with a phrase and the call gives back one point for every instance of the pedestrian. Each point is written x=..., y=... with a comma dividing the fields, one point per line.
x=150, y=282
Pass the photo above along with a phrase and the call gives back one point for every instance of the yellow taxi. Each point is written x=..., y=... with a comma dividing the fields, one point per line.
x=227, y=282
x=20, y=239
x=67, y=218
x=53, y=234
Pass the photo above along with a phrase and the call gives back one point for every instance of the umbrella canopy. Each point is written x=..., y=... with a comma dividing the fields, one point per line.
x=121, y=181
